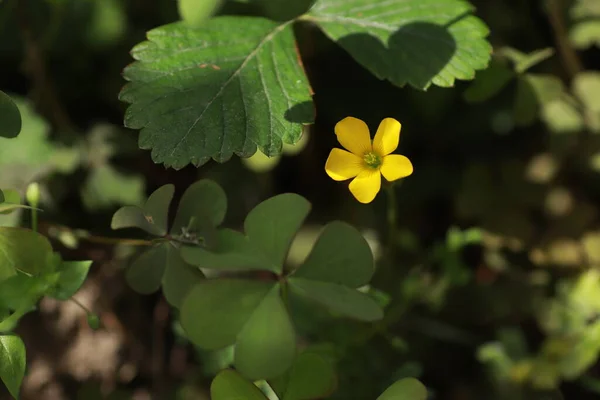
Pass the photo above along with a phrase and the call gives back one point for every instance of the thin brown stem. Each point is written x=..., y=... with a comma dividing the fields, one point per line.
x=568, y=55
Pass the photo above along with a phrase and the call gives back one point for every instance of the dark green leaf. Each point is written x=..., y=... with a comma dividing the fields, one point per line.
x=12, y=363
x=341, y=255
x=179, y=278
x=311, y=377
x=72, y=275
x=231, y=86
x=196, y=12
x=23, y=250
x=489, y=82
x=272, y=225
x=10, y=117
x=267, y=343
x=229, y=385
x=202, y=206
x=215, y=311
x=1, y=196
x=233, y=251
x=338, y=298
x=419, y=42
x=152, y=218
x=405, y=389
x=146, y=272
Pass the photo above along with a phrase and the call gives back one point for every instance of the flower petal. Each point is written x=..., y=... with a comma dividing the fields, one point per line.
x=366, y=185
x=387, y=136
x=342, y=165
x=395, y=167
x=353, y=134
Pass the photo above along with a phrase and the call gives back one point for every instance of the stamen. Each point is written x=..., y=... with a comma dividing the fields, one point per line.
x=372, y=160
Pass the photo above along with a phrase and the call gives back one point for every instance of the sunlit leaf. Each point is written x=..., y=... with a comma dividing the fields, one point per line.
x=72, y=276
x=22, y=250
x=405, y=389
x=12, y=363
x=196, y=12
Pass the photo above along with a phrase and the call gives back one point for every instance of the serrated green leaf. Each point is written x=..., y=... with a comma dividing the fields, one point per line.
x=152, y=218
x=72, y=275
x=12, y=363
x=230, y=385
x=266, y=344
x=405, y=389
x=338, y=298
x=179, y=278
x=586, y=86
x=585, y=34
x=235, y=300
x=10, y=117
x=105, y=186
x=341, y=255
x=489, y=82
x=311, y=376
x=419, y=42
x=195, y=12
x=145, y=273
x=23, y=250
x=231, y=86
x=202, y=208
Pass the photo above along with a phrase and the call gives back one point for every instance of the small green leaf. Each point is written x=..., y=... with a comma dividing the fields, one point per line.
x=23, y=250
x=267, y=343
x=338, y=298
x=10, y=117
x=12, y=201
x=405, y=389
x=235, y=299
x=179, y=278
x=12, y=363
x=586, y=86
x=72, y=275
x=202, y=206
x=585, y=34
x=419, y=42
x=272, y=225
x=230, y=385
x=311, y=377
x=212, y=92
x=522, y=61
x=93, y=321
x=152, y=218
x=489, y=82
x=195, y=12
x=341, y=255
x=146, y=272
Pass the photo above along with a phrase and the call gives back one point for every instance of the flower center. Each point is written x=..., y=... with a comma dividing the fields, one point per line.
x=372, y=160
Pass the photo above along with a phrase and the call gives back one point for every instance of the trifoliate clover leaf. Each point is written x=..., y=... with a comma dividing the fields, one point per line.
x=231, y=86
x=230, y=385
x=405, y=389
x=10, y=117
x=269, y=230
x=419, y=42
x=247, y=312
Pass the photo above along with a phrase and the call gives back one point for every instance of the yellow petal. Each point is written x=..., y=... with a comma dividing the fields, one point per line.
x=353, y=134
x=387, y=136
x=395, y=167
x=342, y=165
x=366, y=185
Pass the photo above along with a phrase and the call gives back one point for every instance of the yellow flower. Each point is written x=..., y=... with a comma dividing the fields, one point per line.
x=366, y=161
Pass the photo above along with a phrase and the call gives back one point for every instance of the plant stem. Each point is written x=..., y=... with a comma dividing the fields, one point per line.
x=569, y=56
x=392, y=215
x=34, y=219
x=84, y=308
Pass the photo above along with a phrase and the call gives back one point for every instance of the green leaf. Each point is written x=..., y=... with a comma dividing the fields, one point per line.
x=533, y=91
x=270, y=228
x=266, y=346
x=72, y=275
x=105, y=186
x=146, y=272
x=202, y=207
x=338, y=298
x=489, y=82
x=179, y=278
x=522, y=61
x=419, y=42
x=12, y=363
x=311, y=376
x=10, y=117
x=1, y=196
x=230, y=385
x=586, y=86
x=215, y=311
x=214, y=91
x=405, y=389
x=341, y=255
x=195, y=12
x=585, y=34
x=21, y=290
x=152, y=218
x=23, y=250
x=12, y=201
